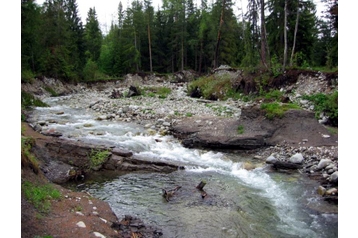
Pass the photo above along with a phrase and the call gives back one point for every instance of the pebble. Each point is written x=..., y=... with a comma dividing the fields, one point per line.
x=81, y=224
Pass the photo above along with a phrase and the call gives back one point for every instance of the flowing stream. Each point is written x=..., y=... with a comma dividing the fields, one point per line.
x=239, y=202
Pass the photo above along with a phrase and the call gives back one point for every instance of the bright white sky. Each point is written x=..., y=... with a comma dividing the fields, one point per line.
x=107, y=9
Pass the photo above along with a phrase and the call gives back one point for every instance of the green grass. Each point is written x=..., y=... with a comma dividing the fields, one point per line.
x=40, y=195
x=98, y=157
x=240, y=129
x=276, y=109
x=212, y=87
x=161, y=92
x=188, y=114
x=51, y=91
x=327, y=103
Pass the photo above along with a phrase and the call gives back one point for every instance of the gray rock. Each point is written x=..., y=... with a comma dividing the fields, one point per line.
x=296, y=158
x=334, y=177
x=271, y=160
x=323, y=163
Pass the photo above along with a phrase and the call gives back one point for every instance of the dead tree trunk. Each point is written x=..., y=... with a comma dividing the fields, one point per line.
x=201, y=185
x=169, y=193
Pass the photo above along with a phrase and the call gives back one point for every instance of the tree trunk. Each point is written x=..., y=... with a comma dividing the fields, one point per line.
x=150, y=50
x=294, y=37
x=285, y=37
x=219, y=36
x=263, y=34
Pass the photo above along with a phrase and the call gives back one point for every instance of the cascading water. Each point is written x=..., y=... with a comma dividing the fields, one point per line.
x=239, y=203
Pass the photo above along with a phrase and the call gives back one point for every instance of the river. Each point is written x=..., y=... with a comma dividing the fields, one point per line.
x=239, y=202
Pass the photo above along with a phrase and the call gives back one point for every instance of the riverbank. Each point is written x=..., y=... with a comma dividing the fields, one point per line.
x=160, y=115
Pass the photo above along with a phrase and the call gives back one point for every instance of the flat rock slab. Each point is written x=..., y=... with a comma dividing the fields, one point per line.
x=295, y=127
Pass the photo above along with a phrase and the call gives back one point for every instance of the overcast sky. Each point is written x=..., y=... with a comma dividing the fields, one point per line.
x=107, y=9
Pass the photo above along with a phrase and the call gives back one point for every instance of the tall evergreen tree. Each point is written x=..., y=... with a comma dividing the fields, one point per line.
x=30, y=42
x=93, y=35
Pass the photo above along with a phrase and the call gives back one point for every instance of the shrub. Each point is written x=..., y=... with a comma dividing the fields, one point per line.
x=40, y=196
x=327, y=103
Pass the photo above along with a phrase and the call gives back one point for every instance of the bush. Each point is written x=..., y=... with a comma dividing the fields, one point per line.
x=326, y=103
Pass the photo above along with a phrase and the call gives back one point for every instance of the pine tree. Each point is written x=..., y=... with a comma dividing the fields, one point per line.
x=93, y=35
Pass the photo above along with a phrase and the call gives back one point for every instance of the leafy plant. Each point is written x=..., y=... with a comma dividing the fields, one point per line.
x=40, y=195
x=98, y=157
x=276, y=109
x=327, y=103
x=188, y=114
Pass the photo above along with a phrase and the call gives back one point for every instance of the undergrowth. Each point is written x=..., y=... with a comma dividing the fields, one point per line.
x=276, y=109
x=325, y=103
x=40, y=195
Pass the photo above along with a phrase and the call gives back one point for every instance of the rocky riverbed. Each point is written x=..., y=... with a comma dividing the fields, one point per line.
x=310, y=147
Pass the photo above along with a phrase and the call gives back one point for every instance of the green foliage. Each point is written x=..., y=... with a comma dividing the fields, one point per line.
x=98, y=157
x=51, y=91
x=27, y=76
x=28, y=100
x=274, y=95
x=162, y=92
x=327, y=103
x=212, y=87
x=276, y=67
x=27, y=158
x=89, y=72
x=40, y=195
x=188, y=114
x=240, y=129
x=276, y=109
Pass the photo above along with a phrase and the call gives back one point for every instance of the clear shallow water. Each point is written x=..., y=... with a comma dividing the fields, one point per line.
x=240, y=203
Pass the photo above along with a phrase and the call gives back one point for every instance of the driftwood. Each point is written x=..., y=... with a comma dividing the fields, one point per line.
x=201, y=185
x=169, y=193
x=286, y=165
x=116, y=94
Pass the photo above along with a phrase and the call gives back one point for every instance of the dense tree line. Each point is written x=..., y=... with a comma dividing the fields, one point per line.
x=274, y=34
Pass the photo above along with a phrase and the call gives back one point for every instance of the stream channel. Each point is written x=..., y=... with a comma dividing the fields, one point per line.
x=239, y=203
